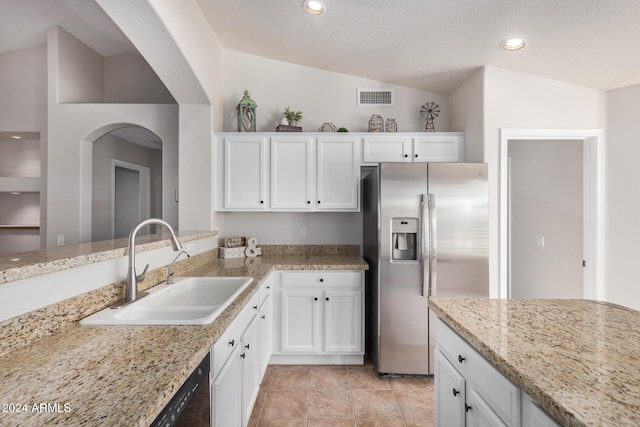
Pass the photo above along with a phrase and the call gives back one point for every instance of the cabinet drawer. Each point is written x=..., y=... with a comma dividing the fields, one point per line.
x=499, y=393
x=230, y=339
x=322, y=279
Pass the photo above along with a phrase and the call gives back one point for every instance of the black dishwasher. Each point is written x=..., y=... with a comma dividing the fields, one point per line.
x=191, y=405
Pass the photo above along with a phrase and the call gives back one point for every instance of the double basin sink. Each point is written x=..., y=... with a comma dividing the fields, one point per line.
x=188, y=301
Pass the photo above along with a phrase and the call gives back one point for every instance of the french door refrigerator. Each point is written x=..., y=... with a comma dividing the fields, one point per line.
x=425, y=234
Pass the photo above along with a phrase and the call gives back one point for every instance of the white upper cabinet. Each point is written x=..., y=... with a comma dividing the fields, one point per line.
x=338, y=176
x=245, y=172
x=424, y=147
x=291, y=173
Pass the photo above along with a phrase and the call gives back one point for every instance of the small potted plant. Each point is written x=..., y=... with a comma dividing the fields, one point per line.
x=293, y=117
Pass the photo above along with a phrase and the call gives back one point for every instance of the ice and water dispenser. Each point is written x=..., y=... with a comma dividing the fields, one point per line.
x=404, y=239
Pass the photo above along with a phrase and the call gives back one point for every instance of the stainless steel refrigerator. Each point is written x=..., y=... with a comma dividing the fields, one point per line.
x=425, y=234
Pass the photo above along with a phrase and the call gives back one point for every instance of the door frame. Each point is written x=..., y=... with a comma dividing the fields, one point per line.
x=593, y=199
x=144, y=195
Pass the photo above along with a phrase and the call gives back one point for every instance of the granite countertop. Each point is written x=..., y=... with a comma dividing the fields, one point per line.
x=125, y=375
x=579, y=359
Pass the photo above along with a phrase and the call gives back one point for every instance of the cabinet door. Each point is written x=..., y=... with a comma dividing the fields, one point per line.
x=291, y=173
x=449, y=394
x=387, y=148
x=245, y=173
x=300, y=321
x=338, y=175
x=250, y=359
x=479, y=414
x=343, y=321
x=226, y=396
x=266, y=334
x=438, y=148
x=534, y=416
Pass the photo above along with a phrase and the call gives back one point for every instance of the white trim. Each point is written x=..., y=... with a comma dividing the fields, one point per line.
x=593, y=167
x=144, y=196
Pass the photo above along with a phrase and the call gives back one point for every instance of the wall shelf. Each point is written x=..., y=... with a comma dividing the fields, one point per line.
x=19, y=227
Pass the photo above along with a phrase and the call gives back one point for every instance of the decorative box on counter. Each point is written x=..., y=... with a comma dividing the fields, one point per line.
x=239, y=247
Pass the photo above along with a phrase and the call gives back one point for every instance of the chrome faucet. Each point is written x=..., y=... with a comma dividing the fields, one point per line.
x=131, y=290
x=169, y=273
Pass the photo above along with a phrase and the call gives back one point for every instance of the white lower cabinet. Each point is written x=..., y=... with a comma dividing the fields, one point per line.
x=239, y=360
x=321, y=317
x=534, y=416
x=471, y=392
x=226, y=396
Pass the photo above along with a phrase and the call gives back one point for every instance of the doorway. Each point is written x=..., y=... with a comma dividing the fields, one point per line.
x=530, y=251
x=546, y=219
x=131, y=197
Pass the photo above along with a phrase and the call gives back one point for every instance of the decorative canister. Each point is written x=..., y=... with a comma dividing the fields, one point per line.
x=376, y=124
x=391, y=126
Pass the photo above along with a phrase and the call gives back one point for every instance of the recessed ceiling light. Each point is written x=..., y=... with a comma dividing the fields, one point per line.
x=513, y=44
x=15, y=193
x=313, y=7
x=16, y=137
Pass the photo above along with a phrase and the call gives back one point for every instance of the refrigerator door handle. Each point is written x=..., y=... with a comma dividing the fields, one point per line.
x=425, y=245
x=433, y=245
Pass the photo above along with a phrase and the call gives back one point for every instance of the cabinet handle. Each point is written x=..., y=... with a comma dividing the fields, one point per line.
x=243, y=355
x=264, y=317
x=455, y=392
x=255, y=307
x=268, y=287
x=467, y=407
x=247, y=346
x=327, y=298
x=461, y=359
x=232, y=343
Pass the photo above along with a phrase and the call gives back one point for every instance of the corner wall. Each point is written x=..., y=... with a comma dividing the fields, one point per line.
x=622, y=229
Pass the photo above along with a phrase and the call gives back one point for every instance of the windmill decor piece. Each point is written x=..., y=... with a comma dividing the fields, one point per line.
x=430, y=111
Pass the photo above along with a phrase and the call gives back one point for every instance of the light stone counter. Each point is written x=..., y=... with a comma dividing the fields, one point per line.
x=580, y=360
x=125, y=375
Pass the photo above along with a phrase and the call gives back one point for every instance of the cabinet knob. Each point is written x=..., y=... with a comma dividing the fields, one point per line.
x=264, y=316
x=232, y=343
x=406, y=155
x=327, y=299
x=243, y=355
x=455, y=392
x=261, y=201
x=247, y=346
x=308, y=202
x=268, y=287
x=461, y=359
x=318, y=201
x=415, y=155
x=467, y=407
x=255, y=307
x=321, y=280
x=315, y=299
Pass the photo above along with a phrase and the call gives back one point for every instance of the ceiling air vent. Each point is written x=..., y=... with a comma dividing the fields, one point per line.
x=375, y=98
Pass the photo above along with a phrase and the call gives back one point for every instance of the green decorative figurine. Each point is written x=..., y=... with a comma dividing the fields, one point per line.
x=246, y=114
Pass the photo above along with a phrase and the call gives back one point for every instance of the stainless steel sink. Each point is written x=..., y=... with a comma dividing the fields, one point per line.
x=188, y=301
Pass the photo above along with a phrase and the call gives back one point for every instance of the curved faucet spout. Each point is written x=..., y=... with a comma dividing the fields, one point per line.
x=131, y=290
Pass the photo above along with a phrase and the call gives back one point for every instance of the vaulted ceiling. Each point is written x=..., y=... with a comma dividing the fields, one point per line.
x=426, y=44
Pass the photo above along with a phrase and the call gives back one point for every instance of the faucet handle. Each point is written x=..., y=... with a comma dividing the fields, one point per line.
x=140, y=277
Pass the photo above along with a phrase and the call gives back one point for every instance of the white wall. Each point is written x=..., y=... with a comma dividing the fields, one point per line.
x=467, y=113
x=322, y=96
x=81, y=71
x=519, y=100
x=72, y=129
x=622, y=228
x=546, y=202
x=129, y=79
x=329, y=228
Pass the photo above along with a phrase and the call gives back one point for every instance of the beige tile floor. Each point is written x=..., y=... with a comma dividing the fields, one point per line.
x=336, y=396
